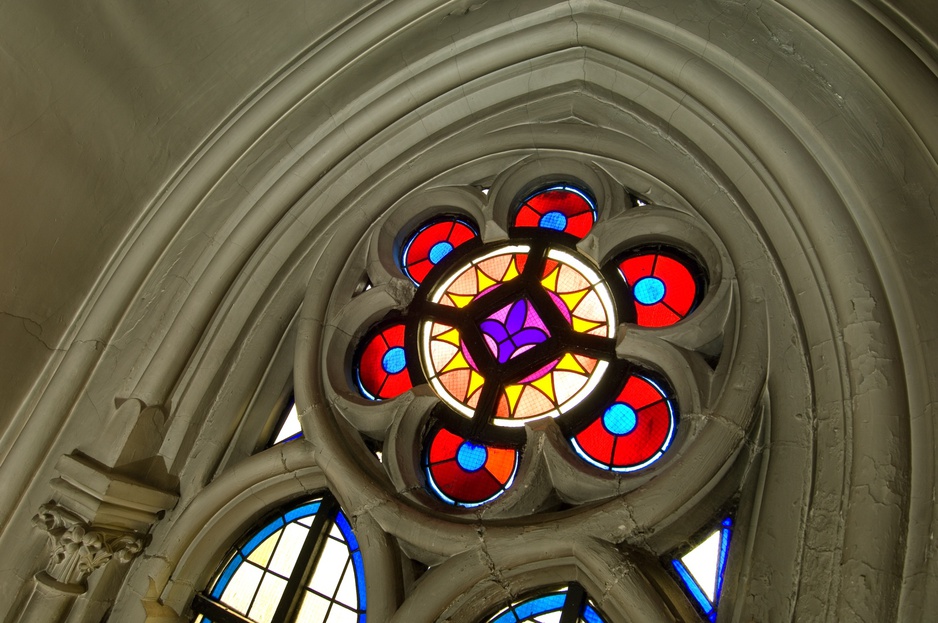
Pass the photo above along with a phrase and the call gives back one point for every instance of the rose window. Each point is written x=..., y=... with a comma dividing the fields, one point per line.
x=523, y=328
x=521, y=332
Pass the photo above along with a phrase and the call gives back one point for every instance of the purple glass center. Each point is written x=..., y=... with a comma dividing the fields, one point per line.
x=513, y=330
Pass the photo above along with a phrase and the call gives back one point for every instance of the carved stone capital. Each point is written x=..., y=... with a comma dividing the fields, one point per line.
x=79, y=548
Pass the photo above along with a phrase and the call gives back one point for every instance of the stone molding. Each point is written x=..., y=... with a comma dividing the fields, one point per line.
x=109, y=499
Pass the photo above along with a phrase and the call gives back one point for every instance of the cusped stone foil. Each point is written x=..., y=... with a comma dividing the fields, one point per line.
x=517, y=306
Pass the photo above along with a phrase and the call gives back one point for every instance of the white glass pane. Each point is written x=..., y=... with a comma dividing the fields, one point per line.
x=550, y=617
x=702, y=563
x=262, y=552
x=338, y=614
x=268, y=598
x=288, y=549
x=291, y=425
x=313, y=609
x=240, y=590
x=336, y=533
x=329, y=568
x=348, y=593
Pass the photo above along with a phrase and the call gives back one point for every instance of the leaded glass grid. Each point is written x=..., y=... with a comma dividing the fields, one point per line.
x=566, y=605
x=304, y=565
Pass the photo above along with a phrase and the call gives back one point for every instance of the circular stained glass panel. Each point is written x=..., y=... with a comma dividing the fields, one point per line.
x=560, y=208
x=466, y=473
x=633, y=432
x=520, y=336
x=431, y=243
x=381, y=365
x=663, y=287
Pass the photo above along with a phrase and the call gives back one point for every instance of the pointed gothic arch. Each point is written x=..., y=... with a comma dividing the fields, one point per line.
x=229, y=272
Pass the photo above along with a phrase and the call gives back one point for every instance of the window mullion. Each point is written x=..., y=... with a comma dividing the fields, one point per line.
x=217, y=612
x=573, y=604
x=306, y=561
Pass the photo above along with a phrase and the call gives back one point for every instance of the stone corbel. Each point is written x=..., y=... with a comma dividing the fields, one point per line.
x=106, y=498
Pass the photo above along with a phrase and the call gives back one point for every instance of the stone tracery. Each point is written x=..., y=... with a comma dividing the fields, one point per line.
x=509, y=333
x=663, y=105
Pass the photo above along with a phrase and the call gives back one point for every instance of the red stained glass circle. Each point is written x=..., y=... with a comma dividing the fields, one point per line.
x=431, y=243
x=633, y=432
x=381, y=365
x=560, y=208
x=664, y=288
x=465, y=473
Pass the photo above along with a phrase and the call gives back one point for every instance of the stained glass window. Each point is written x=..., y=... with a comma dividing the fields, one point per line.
x=535, y=319
x=562, y=208
x=432, y=242
x=566, y=605
x=633, y=431
x=288, y=427
x=512, y=331
x=665, y=286
x=701, y=570
x=466, y=473
x=303, y=565
x=381, y=365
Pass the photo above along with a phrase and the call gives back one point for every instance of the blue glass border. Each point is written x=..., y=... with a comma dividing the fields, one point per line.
x=301, y=512
x=225, y=576
x=259, y=536
x=357, y=561
x=692, y=587
x=590, y=615
x=709, y=608
x=553, y=601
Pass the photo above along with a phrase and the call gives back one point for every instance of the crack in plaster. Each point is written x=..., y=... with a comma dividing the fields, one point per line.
x=154, y=298
x=618, y=572
x=468, y=8
x=637, y=534
x=711, y=416
x=788, y=49
x=366, y=509
x=494, y=571
x=27, y=324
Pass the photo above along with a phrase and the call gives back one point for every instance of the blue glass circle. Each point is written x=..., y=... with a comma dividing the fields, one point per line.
x=440, y=250
x=649, y=290
x=471, y=457
x=553, y=220
x=620, y=419
x=394, y=361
